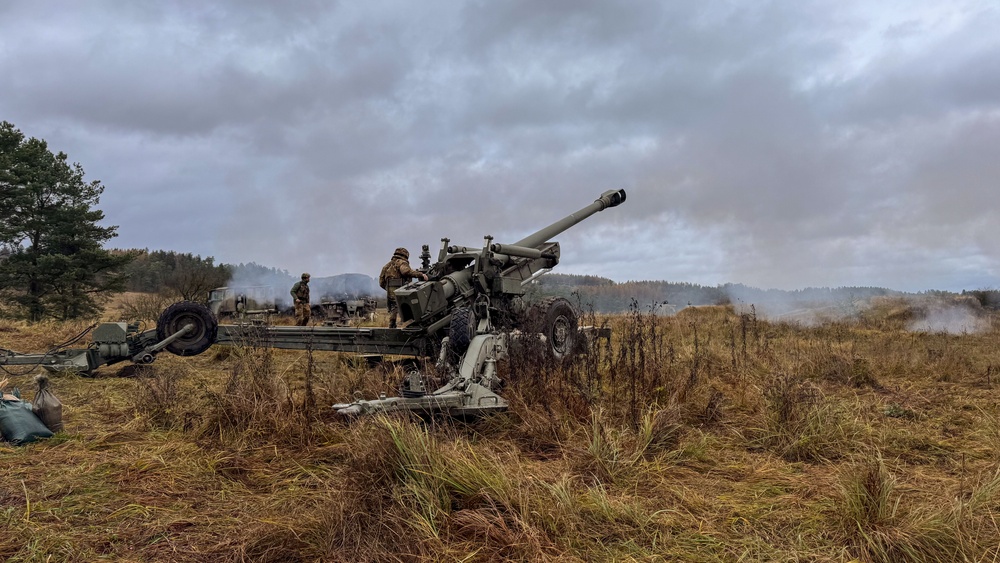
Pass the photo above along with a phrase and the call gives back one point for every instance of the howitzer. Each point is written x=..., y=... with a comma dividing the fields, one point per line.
x=489, y=280
x=476, y=295
x=465, y=315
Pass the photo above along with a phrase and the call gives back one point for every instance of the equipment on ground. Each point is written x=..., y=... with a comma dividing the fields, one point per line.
x=191, y=330
x=341, y=312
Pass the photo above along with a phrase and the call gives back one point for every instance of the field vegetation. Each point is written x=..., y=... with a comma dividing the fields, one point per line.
x=709, y=435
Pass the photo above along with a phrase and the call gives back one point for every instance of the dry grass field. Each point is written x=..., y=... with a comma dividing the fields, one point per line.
x=706, y=436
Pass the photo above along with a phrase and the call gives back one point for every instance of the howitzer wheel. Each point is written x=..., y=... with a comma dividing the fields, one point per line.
x=556, y=319
x=176, y=316
x=461, y=330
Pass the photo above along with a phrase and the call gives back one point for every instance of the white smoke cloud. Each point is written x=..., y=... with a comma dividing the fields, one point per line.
x=951, y=317
x=935, y=313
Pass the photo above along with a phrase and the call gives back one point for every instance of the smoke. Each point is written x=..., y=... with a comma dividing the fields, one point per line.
x=269, y=285
x=343, y=286
x=935, y=313
x=951, y=316
x=806, y=307
x=274, y=286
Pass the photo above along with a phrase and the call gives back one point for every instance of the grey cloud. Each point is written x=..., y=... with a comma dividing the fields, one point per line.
x=780, y=143
x=205, y=78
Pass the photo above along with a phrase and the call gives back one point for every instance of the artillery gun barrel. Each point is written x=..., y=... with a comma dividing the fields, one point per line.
x=525, y=246
x=610, y=198
x=507, y=250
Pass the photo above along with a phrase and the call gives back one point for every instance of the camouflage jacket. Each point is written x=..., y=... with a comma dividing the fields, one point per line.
x=300, y=291
x=396, y=272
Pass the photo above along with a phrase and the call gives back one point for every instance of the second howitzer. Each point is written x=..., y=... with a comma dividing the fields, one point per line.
x=471, y=306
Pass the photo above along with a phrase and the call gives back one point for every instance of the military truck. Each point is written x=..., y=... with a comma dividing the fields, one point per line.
x=340, y=312
x=263, y=300
x=227, y=302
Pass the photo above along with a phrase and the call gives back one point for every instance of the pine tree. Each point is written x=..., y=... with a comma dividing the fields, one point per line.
x=58, y=265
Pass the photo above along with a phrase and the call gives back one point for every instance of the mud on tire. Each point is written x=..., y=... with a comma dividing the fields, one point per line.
x=176, y=316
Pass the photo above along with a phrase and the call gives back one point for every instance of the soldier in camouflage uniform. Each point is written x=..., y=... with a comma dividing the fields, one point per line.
x=300, y=296
x=395, y=274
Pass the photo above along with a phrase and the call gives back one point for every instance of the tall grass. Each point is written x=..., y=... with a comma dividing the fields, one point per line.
x=162, y=399
x=644, y=366
x=800, y=424
x=709, y=435
x=881, y=526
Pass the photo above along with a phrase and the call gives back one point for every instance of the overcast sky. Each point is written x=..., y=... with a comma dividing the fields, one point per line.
x=778, y=144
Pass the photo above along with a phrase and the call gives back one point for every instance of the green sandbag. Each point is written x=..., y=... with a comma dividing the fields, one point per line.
x=19, y=425
x=46, y=406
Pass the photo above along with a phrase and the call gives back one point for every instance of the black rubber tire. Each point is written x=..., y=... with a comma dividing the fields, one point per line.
x=461, y=330
x=174, y=317
x=556, y=319
x=316, y=312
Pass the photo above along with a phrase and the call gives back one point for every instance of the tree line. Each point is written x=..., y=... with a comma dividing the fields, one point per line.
x=186, y=275
x=53, y=263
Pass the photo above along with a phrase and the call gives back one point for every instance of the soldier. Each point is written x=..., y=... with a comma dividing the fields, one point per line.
x=394, y=275
x=300, y=296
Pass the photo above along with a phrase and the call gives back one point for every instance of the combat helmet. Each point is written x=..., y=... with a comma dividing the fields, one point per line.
x=402, y=252
x=305, y=276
